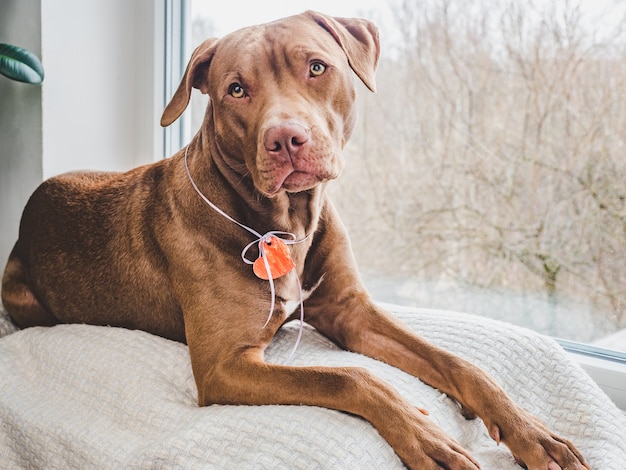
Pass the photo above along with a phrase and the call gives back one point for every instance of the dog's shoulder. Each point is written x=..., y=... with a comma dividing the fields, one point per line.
x=91, y=183
x=75, y=181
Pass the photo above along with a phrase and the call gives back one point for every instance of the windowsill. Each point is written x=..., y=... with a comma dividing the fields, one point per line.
x=606, y=367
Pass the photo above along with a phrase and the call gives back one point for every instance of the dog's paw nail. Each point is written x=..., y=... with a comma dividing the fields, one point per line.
x=494, y=432
x=423, y=411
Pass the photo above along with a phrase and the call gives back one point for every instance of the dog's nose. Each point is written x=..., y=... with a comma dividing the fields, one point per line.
x=286, y=140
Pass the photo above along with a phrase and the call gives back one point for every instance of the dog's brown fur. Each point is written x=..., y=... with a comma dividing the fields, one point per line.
x=142, y=250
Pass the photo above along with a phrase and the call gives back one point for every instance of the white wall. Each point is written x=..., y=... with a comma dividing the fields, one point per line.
x=20, y=122
x=101, y=102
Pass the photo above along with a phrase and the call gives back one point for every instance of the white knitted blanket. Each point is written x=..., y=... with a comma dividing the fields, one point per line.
x=77, y=396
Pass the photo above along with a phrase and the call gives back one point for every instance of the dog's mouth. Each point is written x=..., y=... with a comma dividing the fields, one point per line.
x=294, y=180
x=298, y=181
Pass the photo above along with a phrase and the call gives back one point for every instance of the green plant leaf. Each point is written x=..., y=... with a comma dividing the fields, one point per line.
x=20, y=64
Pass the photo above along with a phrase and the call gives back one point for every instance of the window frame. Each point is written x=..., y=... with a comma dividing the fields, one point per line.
x=606, y=367
x=176, y=43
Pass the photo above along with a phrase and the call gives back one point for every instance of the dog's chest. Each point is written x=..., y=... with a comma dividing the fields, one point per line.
x=292, y=304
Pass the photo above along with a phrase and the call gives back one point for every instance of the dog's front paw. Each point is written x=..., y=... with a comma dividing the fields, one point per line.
x=533, y=445
x=422, y=445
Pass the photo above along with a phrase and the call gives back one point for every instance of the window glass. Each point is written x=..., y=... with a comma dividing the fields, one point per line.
x=488, y=173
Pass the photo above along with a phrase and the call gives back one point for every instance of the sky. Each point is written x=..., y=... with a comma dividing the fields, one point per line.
x=248, y=12
x=243, y=13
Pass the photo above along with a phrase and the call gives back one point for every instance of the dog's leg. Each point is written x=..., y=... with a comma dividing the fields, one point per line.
x=368, y=330
x=227, y=340
x=246, y=379
x=18, y=297
x=341, y=309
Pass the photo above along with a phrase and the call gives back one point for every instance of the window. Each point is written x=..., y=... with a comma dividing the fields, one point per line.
x=492, y=164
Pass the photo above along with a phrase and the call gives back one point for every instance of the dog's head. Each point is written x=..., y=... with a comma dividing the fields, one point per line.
x=282, y=96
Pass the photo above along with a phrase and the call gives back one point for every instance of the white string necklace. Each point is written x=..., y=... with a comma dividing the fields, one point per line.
x=268, y=244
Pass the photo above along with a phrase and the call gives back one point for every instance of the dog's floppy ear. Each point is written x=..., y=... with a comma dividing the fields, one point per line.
x=195, y=76
x=359, y=40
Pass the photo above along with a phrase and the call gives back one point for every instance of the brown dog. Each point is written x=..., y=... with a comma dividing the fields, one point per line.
x=144, y=250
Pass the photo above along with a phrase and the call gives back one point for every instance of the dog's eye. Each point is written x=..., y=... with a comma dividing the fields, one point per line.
x=236, y=90
x=317, y=69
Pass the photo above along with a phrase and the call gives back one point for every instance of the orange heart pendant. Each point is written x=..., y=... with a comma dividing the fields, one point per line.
x=278, y=259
